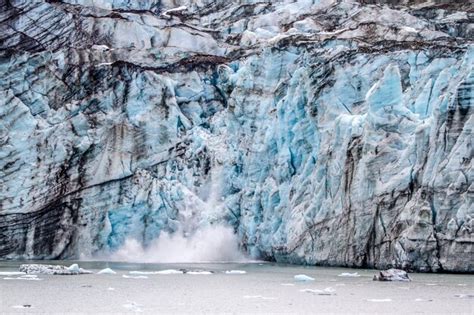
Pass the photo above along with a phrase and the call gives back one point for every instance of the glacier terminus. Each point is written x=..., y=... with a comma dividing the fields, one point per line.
x=322, y=132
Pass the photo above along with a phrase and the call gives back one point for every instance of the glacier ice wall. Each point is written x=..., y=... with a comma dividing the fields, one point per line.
x=323, y=132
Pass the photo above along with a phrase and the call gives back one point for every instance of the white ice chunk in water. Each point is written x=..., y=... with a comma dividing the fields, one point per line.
x=22, y=306
x=74, y=268
x=106, y=271
x=379, y=300
x=24, y=277
x=135, y=272
x=288, y=284
x=303, y=278
x=348, y=274
x=326, y=291
x=53, y=269
x=199, y=273
x=235, y=272
x=161, y=272
x=134, y=277
x=169, y=272
x=11, y=273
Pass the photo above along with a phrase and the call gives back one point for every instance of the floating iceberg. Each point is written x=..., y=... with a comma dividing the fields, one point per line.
x=199, y=272
x=11, y=273
x=326, y=291
x=53, y=269
x=161, y=272
x=235, y=272
x=107, y=271
x=303, y=278
x=24, y=277
x=348, y=274
x=134, y=277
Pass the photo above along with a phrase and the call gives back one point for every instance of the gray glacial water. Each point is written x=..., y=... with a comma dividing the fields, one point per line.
x=264, y=288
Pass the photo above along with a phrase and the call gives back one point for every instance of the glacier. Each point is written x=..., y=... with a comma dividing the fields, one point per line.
x=321, y=132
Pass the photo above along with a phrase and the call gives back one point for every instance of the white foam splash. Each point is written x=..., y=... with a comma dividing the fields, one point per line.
x=210, y=244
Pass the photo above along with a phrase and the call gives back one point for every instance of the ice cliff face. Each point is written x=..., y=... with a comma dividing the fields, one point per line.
x=323, y=132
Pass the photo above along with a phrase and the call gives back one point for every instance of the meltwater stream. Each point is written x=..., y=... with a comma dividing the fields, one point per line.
x=230, y=287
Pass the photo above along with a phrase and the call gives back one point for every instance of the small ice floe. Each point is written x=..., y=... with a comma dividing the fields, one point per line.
x=235, y=272
x=327, y=291
x=161, y=272
x=53, y=269
x=379, y=300
x=392, y=275
x=110, y=289
x=288, y=284
x=133, y=306
x=199, y=272
x=465, y=296
x=303, y=278
x=169, y=272
x=134, y=277
x=431, y=284
x=421, y=300
x=258, y=297
x=24, y=277
x=462, y=284
x=11, y=273
x=22, y=306
x=348, y=274
x=135, y=272
x=106, y=271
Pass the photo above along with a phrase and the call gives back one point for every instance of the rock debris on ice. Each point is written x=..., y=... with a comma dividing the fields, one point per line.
x=392, y=275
